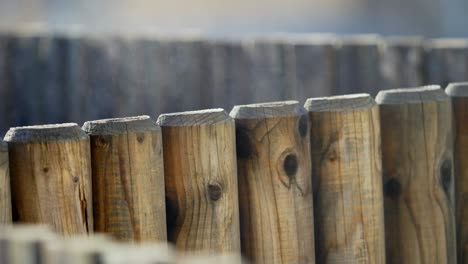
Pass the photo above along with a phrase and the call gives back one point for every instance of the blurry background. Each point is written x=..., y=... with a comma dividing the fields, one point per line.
x=74, y=61
x=430, y=18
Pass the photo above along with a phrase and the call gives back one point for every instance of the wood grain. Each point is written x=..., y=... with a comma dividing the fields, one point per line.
x=401, y=62
x=5, y=193
x=128, y=178
x=275, y=192
x=346, y=173
x=416, y=125
x=201, y=181
x=458, y=93
x=50, y=174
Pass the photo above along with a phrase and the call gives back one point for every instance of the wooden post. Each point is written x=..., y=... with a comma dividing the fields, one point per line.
x=401, y=62
x=128, y=178
x=201, y=181
x=50, y=176
x=459, y=95
x=358, y=65
x=312, y=64
x=5, y=193
x=416, y=125
x=275, y=191
x=346, y=173
x=446, y=61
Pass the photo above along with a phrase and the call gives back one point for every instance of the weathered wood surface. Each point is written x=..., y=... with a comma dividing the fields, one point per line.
x=346, y=173
x=128, y=178
x=358, y=65
x=201, y=181
x=5, y=193
x=401, y=62
x=275, y=191
x=228, y=74
x=446, y=61
x=311, y=65
x=418, y=175
x=50, y=174
x=458, y=93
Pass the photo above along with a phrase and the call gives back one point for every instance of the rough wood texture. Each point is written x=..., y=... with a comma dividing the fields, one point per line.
x=446, y=61
x=346, y=173
x=50, y=174
x=201, y=181
x=311, y=63
x=418, y=175
x=5, y=194
x=459, y=95
x=401, y=62
x=128, y=178
x=358, y=65
x=275, y=191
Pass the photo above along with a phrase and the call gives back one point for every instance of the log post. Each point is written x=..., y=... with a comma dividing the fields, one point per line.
x=275, y=191
x=416, y=125
x=50, y=175
x=201, y=181
x=5, y=193
x=358, y=65
x=346, y=173
x=459, y=95
x=446, y=61
x=128, y=178
x=401, y=62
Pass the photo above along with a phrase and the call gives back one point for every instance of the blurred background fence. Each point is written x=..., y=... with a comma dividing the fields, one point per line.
x=61, y=77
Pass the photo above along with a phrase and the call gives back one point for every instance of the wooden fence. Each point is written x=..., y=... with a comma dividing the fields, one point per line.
x=344, y=179
x=56, y=78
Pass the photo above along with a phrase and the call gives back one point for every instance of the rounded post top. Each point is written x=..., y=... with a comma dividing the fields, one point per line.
x=411, y=95
x=267, y=110
x=193, y=118
x=339, y=103
x=458, y=89
x=44, y=133
x=124, y=125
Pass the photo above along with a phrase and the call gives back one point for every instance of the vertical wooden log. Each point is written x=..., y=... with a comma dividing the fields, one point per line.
x=346, y=173
x=401, y=62
x=229, y=75
x=312, y=65
x=201, y=181
x=275, y=191
x=128, y=178
x=5, y=193
x=416, y=125
x=50, y=175
x=446, y=61
x=358, y=65
x=459, y=95
x=266, y=61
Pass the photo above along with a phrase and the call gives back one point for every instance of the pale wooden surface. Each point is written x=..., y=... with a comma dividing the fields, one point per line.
x=275, y=191
x=418, y=175
x=128, y=178
x=346, y=173
x=50, y=174
x=201, y=181
x=459, y=96
x=5, y=193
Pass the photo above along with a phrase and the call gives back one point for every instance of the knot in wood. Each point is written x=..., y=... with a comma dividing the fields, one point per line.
x=214, y=191
x=290, y=165
x=446, y=175
x=392, y=188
